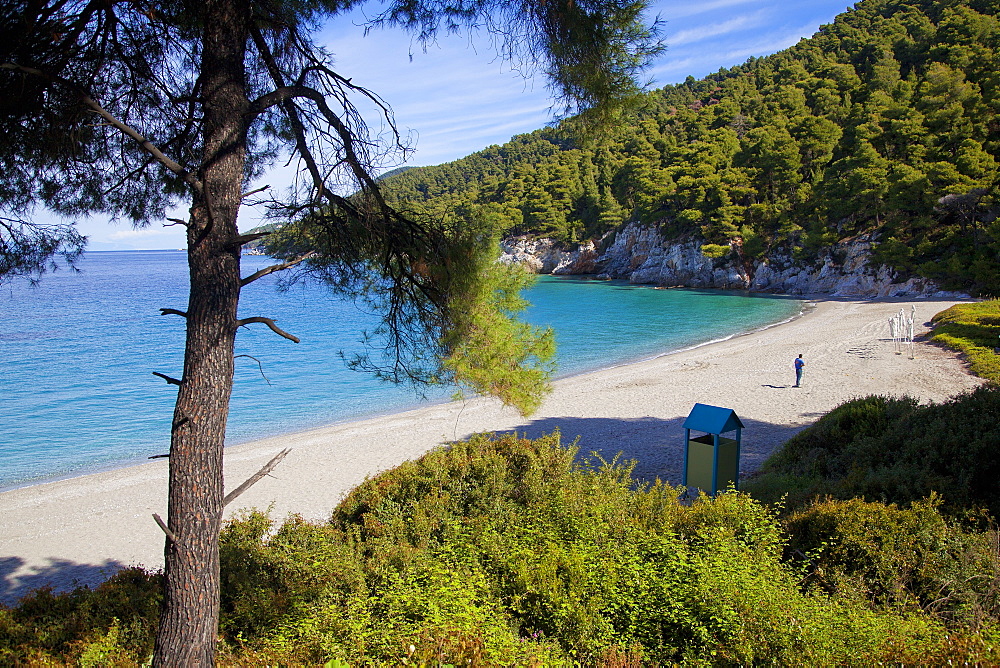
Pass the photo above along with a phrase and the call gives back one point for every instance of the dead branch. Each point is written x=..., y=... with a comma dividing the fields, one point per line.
x=158, y=456
x=271, y=324
x=166, y=529
x=286, y=94
x=259, y=366
x=175, y=221
x=247, y=238
x=276, y=267
x=171, y=381
x=252, y=480
x=298, y=128
x=173, y=311
x=254, y=192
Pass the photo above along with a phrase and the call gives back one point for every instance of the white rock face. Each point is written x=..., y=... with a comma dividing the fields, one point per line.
x=639, y=254
x=545, y=256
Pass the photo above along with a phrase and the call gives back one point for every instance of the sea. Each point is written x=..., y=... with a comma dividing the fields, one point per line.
x=78, y=350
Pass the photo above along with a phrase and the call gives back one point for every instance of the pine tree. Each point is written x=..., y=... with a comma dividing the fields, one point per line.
x=190, y=101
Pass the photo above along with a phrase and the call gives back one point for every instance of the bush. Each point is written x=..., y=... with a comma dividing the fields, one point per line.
x=113, y=624
x=974, y=330
x=820, y=450
x=907, y=559
x=714, y=251
x=502, y=550
x=894, y=451
x=505, y=551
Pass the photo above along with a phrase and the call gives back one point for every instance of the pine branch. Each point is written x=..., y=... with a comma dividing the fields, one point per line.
x=127, y=130
x=247, y=238
x=171, y=381
x=254, y=192
x=275, y=267
x=259, y=366
x=271, y=324
x=166, y=529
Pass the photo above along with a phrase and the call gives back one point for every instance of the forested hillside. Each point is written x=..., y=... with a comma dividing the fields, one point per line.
x=883, y=122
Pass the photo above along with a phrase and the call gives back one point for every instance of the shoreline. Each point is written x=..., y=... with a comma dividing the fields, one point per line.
x=415, y=403
x=80, y=529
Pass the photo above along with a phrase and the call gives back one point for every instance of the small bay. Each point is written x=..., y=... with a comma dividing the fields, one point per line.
x=78, y=352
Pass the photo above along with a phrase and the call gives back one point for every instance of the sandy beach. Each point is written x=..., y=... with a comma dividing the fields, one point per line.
x=81, y=529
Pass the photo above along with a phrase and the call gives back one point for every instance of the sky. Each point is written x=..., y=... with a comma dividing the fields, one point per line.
x=456, y=97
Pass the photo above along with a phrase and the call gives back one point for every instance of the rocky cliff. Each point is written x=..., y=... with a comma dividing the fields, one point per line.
x=639, y=254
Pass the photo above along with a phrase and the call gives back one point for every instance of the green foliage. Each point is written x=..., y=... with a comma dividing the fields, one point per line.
x=878, y=124
x=488, y=350
x=499, y=551
x=900, y=558
x=448, y=309
x=973, y=330
x=714, y=250
x=894, y=451
x=819, y=451
x=504, y=551
x=30, y=249
x=113, y=624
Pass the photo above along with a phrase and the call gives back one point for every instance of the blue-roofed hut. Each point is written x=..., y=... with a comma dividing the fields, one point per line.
x=711, y=461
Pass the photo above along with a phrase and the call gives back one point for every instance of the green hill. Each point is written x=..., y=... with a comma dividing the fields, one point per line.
x=883, y=122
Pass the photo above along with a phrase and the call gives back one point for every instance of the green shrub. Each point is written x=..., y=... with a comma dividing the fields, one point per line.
x=820, y=450
x=505, y=551
x=894, y=451
x=714, y=251
x=113, y=624
x=974, y=330
x=906, y=559
x=267, y=579
x=879, y=549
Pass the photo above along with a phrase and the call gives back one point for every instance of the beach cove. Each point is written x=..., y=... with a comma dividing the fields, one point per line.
x=81, y=529
x=80, y=397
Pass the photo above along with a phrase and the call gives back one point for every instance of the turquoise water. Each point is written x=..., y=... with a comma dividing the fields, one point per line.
x=77, y=352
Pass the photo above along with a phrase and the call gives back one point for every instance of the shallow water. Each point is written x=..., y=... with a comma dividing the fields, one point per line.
x=78, y=351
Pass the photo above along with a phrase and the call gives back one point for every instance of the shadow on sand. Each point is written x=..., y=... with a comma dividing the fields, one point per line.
x=656, y=444
x=60, y=574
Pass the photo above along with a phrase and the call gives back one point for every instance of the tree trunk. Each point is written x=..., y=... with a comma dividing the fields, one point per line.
x=189, y=624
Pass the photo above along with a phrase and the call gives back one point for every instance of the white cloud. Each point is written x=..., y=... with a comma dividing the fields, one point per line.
x=454, y=98
x=673, y=9
x=133, y=234
x=768, y=44
x=698, y=62
x=701, y=33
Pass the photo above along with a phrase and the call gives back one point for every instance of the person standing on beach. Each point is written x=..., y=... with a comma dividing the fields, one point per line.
x=799, y=363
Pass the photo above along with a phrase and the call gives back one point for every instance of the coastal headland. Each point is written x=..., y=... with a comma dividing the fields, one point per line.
x=79, y=530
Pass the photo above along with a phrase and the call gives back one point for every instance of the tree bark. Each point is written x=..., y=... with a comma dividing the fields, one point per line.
x=188, y=629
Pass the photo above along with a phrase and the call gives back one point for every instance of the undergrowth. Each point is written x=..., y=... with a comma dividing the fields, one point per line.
x=893, y=450
x=506, y=551
x=973, y=329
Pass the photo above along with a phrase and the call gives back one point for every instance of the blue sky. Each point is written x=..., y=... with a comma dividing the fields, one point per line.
x=456, y=97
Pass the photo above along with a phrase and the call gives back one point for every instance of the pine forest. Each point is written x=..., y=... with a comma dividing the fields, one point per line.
x=884, y=123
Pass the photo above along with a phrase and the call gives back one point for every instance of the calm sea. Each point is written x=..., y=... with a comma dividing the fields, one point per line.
x=77, y=352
